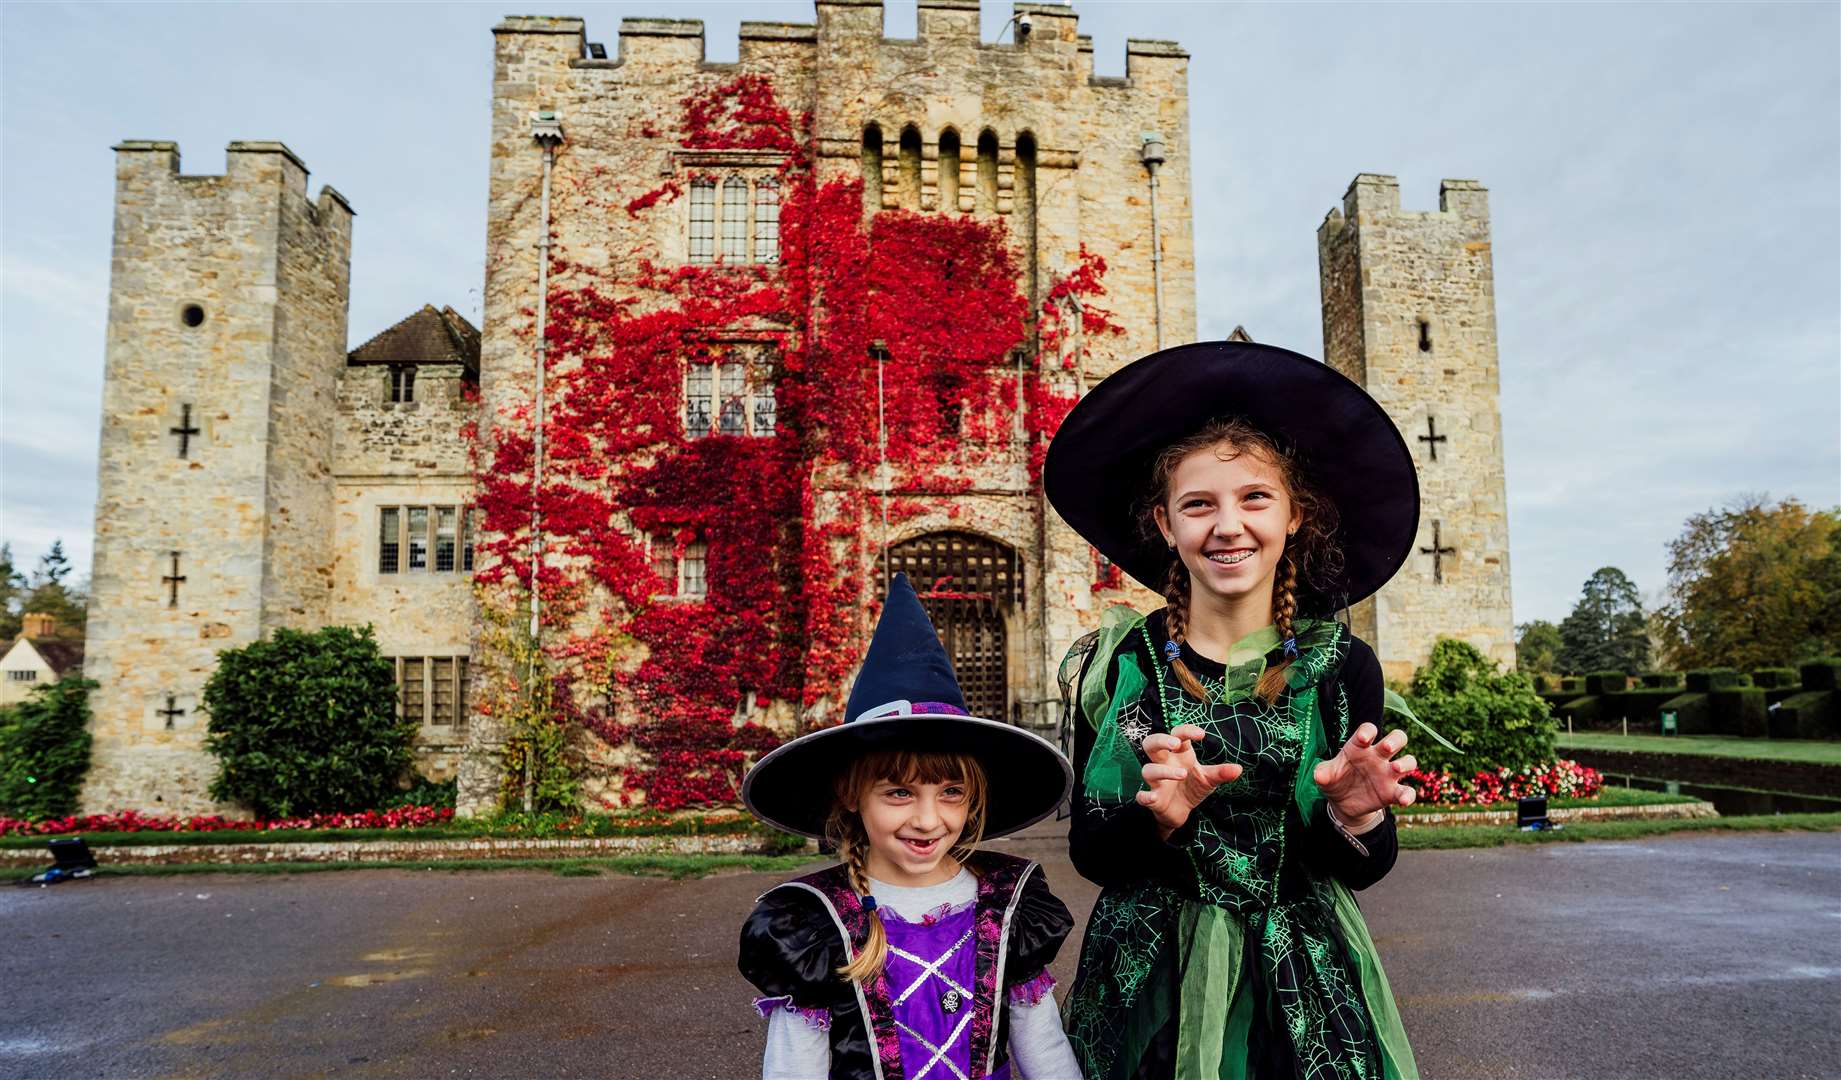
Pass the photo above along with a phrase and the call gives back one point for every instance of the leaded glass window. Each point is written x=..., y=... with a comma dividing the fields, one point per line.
x=767, y=222
x=703, y=220
x=735, y=220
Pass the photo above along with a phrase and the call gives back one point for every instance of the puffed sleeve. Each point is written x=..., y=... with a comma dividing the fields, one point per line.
x=790, y=950
x=1041, y=923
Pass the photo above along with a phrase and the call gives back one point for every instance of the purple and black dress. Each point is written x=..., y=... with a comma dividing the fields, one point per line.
x=964, y=987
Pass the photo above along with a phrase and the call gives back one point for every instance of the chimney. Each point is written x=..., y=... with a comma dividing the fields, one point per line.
x=38, y=624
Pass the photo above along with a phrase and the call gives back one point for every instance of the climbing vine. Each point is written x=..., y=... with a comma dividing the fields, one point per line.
x=678, y=690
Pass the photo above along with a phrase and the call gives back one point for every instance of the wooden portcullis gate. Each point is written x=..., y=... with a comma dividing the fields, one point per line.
x=967, y=582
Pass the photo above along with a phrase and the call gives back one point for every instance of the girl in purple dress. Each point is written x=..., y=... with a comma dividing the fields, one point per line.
x=917, y=957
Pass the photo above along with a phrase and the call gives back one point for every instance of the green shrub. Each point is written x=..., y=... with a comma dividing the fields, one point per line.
x=1771, y=678
x=425, y=792
x=1719, y=678
x=1572, y=684
x=1606, y=682
x=1662, y=680
x=1740, y=712
x=1693, y=713
x=44, y=751
x=1823, y=674
x=1812, y=714
x=1494, y=716
x=305, y=723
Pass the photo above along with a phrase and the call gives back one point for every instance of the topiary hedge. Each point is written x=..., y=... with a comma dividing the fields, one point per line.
x=1493, y=716
x=1720, y=678
x=1662, y=680
x=1812, y=714
x=1822, y=674
x=1740, y=712
x=305, y=723
x=1606, y=682
x=45, y=751
x=1693, y=713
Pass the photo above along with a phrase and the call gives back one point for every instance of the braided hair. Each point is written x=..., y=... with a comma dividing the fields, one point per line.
x=844, y=828
x=1311, y=554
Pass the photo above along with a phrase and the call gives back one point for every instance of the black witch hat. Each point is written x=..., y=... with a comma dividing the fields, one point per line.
x=907, y=698
x=1099, y=464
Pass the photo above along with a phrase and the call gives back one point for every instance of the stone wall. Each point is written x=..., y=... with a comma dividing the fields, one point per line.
x=1066, y=175
x=227, y=294
x=1409, y=312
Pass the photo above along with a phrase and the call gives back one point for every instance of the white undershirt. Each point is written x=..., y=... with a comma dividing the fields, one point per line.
x=1039, y=1049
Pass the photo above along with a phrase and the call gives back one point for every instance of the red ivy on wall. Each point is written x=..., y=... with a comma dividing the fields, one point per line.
x=667, y=678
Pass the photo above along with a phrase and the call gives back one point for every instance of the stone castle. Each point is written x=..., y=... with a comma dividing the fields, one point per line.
x=256, y=474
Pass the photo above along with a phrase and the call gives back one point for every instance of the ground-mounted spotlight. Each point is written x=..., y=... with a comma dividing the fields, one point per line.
x=72, y=860
x=1531, y=814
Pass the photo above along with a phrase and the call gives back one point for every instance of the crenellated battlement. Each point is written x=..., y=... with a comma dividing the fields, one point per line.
x=253, y=164
x=951, y=25
x=1375, y=195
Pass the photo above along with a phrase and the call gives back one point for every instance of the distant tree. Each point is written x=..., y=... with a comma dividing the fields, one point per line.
x=12, y=594
x=1537, y=648
x=1757, y=584
x=1607, y=630
x=48, y=593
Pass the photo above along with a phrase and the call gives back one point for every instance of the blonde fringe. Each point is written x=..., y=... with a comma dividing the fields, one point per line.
x=844, y=828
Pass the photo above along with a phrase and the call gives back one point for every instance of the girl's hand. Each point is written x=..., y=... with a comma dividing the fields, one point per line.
x=1178, y=781
x=1364, y=778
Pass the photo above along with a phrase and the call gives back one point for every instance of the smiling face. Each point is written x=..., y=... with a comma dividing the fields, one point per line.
x=1229, y=514
x=914, y=831
x=912, y=827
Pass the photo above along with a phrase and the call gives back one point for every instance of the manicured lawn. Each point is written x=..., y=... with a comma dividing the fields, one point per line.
x=551, y=827
x=676, y=867
x=1469, y=836
x=1607, y=796
x=1814, y=751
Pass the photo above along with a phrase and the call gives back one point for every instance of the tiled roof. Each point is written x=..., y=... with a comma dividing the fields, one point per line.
x=425, y=337
x=62, y=654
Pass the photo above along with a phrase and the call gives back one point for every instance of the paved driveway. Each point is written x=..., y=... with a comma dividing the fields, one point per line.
x=1703, y=956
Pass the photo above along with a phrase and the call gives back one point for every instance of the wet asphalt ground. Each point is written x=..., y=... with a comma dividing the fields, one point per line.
x=1687, y=957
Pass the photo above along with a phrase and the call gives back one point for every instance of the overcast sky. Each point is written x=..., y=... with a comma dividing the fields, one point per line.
x=1665, y=183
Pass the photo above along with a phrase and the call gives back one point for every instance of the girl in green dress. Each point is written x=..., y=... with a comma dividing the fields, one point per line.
x=1233, y=782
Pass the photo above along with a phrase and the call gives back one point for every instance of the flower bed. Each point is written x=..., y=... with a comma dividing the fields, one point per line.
x=1557, y=779
x=128, y=821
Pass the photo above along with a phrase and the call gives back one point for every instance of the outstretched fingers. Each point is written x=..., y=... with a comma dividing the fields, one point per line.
x=1221, y=774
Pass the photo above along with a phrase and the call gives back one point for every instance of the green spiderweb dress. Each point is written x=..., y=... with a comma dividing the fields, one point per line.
x=1235, y=950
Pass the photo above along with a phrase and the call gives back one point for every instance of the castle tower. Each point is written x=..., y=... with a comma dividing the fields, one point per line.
x=1016, y=138
x=1409, y=312
x=227, y=325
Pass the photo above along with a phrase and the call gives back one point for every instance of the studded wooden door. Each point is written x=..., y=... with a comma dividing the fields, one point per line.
x=966, y=582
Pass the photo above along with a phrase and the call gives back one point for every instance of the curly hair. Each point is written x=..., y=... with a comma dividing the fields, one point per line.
x=1311, y=556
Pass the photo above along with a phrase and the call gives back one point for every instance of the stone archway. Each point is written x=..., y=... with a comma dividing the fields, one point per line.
x=967, y=583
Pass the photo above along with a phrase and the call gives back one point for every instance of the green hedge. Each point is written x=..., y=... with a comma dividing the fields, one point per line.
x=1822, y=674
x=1662, y=680
x=1771, y=678
x=1572, y=684
x=1719, y=678
x=1740, y=712
x=1812, y=714
x=1606, y=682
x=1693, y=713
x=1584, y=712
